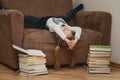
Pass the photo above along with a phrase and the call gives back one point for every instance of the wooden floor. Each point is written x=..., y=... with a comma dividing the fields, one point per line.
x=78, y=73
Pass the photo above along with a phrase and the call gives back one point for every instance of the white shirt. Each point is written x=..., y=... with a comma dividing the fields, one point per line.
x=53, y=27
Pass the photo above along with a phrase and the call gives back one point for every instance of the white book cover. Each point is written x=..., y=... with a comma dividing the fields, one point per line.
x=31, y=52
x=99, y=55
x=99, y=52
x=32, y=63
x=32, y=74
x=107, y=62
x=97, y=66
x=104, y=71
x=32, y=67
x=32, y=60
x=99, y=49
x=34, y=71
x=99, y=69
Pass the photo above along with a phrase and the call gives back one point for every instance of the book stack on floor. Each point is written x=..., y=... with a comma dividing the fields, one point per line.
x=31, y=62
x=99, y=59
x=31, y=65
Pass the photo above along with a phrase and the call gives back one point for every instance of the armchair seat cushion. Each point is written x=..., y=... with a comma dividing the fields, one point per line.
x=46, y=41
x=42, y=35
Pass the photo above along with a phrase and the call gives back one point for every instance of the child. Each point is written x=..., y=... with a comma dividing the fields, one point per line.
x=58, y=25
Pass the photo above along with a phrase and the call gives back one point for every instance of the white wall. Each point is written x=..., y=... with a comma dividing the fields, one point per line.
x=113, y=7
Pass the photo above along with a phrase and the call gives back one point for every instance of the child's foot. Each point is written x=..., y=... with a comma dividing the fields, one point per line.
x=79, y=7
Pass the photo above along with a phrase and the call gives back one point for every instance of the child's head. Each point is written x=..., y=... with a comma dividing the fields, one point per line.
x=67, y=31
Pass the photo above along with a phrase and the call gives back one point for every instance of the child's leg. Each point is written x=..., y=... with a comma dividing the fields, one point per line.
x=1, y=7
x=30, y=20
x=72, y=13
x=36, y=22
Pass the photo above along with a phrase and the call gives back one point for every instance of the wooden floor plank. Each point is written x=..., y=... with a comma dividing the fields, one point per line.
x=78, y=73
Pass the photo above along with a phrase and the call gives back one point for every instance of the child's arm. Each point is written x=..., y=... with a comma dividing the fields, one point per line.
x=59, y=32
x=77, y=31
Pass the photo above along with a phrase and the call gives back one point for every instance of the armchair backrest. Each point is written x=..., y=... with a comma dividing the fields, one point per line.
x=39, y=8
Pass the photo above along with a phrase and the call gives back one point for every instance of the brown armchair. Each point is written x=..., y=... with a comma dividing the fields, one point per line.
x=96, y=30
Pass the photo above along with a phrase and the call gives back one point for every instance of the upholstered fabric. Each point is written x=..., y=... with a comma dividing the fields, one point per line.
x=98, y=21
x=45, y=41
x=39, y=8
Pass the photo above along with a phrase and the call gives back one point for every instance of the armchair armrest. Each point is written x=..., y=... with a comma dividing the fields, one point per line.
x=11, y=32
x=12, y=25
x=99, y=21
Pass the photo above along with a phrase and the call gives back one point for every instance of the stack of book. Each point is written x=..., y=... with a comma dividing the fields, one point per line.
x=99, y=59
x=31, y=62
x=31, y=65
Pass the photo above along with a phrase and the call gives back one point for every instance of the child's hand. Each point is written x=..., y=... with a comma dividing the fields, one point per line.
x=68, y=43
x=73, y=43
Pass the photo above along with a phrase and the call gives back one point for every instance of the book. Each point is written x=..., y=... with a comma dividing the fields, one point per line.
x=100, y=48
x=100, y=52
x=99, y=70
x=33, y=71
x=106, y=62
x=41, y=59
x=32, y=67
x=37, y=66
x=98, y=65
x=31, y=63
x=31, y=60
x=33, y=74
x=23, y=55
x=107, y=68
x=98, y=58
x=31, y=52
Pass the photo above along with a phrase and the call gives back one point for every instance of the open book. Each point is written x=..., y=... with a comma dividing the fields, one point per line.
x=32, y=52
